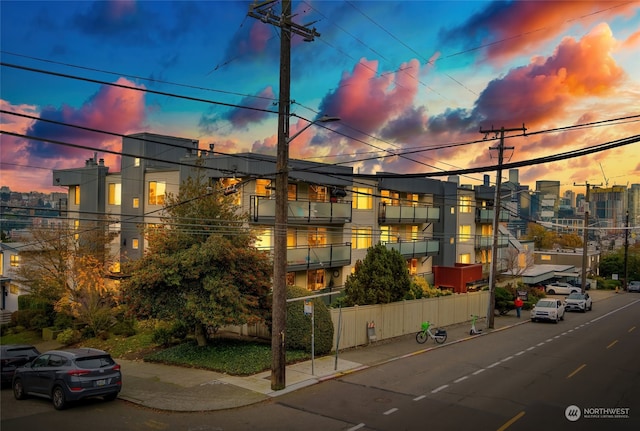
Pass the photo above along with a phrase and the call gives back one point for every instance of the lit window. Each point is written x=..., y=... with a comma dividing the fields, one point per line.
x=315, y=279
x=14, y=260
x=292, y=192
x=264, y=239
x=361, y=238
x=157, y=190
x=115, y=191
x=263, y=187
x=317, y=237
x=464, y=233
x=14, y=289
x=136, y=161
x=465, y=258
x=413, y=199
x=465, y=204
x=362, y=198
x=76, y=198
x=546, y=257
x=76, y=227
x=135, y=243
x=136, y=202
x=486, y=230
x=413, y=266
x=292, y=239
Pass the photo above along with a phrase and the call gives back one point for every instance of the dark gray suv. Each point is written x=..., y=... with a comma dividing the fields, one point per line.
x=69, y=375
x=13, y=356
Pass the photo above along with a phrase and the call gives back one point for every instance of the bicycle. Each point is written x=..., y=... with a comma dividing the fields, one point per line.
x=439, y=337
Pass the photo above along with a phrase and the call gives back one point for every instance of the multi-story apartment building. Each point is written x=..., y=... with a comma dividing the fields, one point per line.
x=334, y=216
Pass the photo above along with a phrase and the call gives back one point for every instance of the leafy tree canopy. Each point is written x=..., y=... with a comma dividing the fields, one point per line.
x=380, y=278
x=202, y=265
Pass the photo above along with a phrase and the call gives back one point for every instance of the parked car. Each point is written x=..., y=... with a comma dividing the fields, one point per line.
x=70, y=375
x=561, y=288
x=548, y=309
x=578, y=301
x=13, y=356
x=633, y=286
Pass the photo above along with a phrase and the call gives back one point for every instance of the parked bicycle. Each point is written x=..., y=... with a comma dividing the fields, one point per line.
x=439, y=337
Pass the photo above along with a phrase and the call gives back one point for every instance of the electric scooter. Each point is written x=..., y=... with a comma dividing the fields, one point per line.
x=473, y=330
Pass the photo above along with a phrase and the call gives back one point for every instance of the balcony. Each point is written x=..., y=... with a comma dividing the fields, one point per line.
x=486, y=215
x=415, y=248
x=330, y=256
x=484, y=242
x=392, y=214
x=263, y=211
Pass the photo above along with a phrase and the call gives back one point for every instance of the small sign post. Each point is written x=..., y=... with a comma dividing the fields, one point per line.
x=308, y=311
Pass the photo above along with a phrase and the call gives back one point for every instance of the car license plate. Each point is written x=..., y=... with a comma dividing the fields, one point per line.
x=101, y=382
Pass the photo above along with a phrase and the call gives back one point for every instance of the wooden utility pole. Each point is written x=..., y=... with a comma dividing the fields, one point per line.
x=496, y=216
x=263, y=12
x=585, y=238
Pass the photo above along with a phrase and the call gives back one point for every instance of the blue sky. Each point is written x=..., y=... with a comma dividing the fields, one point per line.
x=412, y=81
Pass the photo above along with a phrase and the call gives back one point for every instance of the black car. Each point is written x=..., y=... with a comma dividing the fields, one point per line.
x=69, y=375
x=13, y=356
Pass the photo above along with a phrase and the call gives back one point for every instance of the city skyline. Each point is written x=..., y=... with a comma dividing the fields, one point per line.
x=413, y=84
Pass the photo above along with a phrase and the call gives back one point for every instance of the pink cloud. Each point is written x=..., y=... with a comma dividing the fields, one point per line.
x=112, y=109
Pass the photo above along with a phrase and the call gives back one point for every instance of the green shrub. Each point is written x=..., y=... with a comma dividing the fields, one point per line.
x=69, y=336
x=299, y=324
x=25, y=317
x=39, y=321
x=504, y=297
x=126, y=328
x=179, y=330
x=162, y=336
x=63, y=321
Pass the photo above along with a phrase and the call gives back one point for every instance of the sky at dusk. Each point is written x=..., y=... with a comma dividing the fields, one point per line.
x=413, y=83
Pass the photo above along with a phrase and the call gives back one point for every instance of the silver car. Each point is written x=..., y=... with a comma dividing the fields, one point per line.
x=578, y=302
x=633, y=286
x=69, y=375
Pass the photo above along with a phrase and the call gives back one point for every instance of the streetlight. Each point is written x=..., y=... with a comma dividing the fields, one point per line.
x=279, y=297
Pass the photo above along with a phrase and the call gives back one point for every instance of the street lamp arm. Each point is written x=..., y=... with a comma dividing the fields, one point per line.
x=323, y=119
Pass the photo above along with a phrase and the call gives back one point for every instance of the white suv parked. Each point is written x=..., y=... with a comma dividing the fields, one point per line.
x=579, y=302
x=548, y=309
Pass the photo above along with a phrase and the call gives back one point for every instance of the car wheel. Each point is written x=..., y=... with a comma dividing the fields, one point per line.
x=533, y=320
x=58, y=398
x=18, y=390
x=551, y=292
x=111, y=397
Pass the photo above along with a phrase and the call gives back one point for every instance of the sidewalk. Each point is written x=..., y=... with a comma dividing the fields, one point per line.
x=172, y=388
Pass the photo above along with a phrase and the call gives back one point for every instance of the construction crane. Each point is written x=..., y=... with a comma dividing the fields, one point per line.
x=606, y=181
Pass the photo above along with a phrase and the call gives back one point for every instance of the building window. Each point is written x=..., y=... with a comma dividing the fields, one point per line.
x=292, y=192
x=389, y=197
x=465, y=258
x=362, y=198
x=361, y=238
x=389, y=233
x=264, y=239
x=14, y=289
x=545, y=257
x=413, y=199
x=465, y=204
x=76, y=227
x=486, y=230
x=485, y=256
x=291, y=278
x=413, y=266
x=464, y=233
x=115, y=192
x=292, y=238
x=317, y=193
x=136, y=161
x=14, y=260
x=135, y=243
x=157, y=189
x=136, y=202
x=76, y=195
x=315, y=279
x=317, y=237
x=263, y=187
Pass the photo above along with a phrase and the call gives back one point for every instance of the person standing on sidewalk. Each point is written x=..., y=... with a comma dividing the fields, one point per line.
x=518, y=304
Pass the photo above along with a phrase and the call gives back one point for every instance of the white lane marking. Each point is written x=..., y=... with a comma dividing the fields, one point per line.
x=481, y=370
x=508, y=358
x=531, y=348
x=520, y=353
x=493, y=365
x=439, y=389
x=419, y=398
x=357, y=427
x=461, y=379
x=390, y=411
x=539, y=344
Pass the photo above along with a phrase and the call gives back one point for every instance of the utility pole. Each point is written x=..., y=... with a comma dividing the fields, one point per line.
x=626, y=254
x=263, y=11
x=585, y=237
x=496, y=217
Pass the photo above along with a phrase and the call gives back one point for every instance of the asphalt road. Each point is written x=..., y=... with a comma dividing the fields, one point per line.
x=524, y=378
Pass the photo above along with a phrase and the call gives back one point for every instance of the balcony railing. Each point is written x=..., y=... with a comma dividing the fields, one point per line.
x=263, y=210
x=388, y=214
x=486, y=215
x=330, y=256
x=482, y=242
x=415, y=248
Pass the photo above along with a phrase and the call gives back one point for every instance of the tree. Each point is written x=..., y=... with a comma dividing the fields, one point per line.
x=65, y=267
x=380, y=278
x=202, y=265
x=517, y=262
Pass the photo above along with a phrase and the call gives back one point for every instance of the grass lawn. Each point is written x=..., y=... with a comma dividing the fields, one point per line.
x=226, y=355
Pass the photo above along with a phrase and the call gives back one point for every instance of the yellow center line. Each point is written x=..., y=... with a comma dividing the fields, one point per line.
x=612, y=344
x=576, y=371
x=511, y=421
